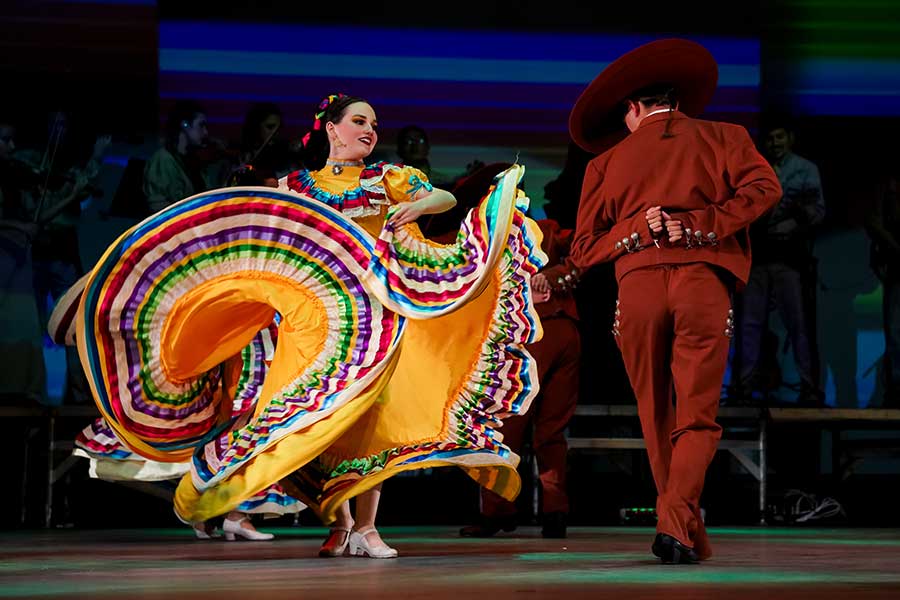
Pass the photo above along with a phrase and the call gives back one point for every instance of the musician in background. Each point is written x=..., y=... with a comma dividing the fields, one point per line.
x=22, y=375
x=65, y=172
x=265, y=156
x=174, y=172
x=783, y=265
x=22, y=371
x=414, y=149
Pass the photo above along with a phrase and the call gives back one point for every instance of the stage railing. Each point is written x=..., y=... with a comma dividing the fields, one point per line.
x=750, y=452
x=47, y=417
x=756, y=421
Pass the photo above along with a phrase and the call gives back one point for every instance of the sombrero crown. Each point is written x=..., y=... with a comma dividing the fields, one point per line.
x=595, y=122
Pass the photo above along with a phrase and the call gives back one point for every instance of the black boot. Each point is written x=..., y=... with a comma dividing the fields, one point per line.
x=489, y=526
x=671, y=551
x=554, y=525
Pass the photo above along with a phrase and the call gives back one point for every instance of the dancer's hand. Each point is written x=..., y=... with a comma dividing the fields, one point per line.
x=100, y=145
x=407, y=213
x=540, y=288
x=674, y=228
x=540, y=284
x=654, y=217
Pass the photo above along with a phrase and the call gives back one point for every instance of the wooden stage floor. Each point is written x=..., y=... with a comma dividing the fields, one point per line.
x=750, y=563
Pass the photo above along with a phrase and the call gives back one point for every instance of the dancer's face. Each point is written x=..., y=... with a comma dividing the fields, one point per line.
x=355, y=135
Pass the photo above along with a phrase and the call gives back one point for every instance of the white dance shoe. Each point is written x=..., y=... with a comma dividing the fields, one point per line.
x=234, y=528
x=205, y=531
x=359, y=546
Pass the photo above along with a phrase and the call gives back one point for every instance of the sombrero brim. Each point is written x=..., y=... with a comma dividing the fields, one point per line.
x=595, y=122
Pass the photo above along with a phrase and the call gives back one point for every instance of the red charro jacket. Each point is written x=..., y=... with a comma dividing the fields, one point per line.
x=708, y=174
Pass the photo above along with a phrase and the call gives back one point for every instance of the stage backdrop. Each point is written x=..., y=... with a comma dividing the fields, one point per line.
x=479, y=94
x=834, y=58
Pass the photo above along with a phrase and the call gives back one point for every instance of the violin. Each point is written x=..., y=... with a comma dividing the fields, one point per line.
x=29, y=176
x=23, y=175
x=213, y=151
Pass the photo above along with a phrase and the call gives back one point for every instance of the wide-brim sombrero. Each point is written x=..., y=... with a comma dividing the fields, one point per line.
x=595, y=122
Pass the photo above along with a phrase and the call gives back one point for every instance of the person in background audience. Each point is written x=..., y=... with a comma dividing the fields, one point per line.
x=173, y=172
x=563, y=192
x=783, y=266
x=67, y=179
x=883, y=226
x=414, y=149
x=264, y=155
x=23, y=373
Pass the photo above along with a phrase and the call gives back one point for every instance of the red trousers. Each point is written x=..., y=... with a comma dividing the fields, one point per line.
x=673, y=328
x=557, y=356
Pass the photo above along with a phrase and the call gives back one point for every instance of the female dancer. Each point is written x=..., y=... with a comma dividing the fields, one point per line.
x=346, y=130
x=364, y=301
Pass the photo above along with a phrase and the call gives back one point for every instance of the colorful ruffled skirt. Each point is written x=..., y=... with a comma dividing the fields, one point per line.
x=392, y=353
x=111, y=460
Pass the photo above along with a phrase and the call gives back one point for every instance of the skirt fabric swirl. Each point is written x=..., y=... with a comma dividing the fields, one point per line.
x=392, y=353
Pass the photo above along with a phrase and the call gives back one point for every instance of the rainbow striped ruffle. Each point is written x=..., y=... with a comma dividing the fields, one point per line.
x=61, y=324
x=225, y=236
x=111, y=460
x=420, y=279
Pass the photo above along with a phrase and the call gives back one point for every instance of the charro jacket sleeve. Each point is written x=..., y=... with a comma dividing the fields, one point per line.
x=756, y=190
x=597, y=237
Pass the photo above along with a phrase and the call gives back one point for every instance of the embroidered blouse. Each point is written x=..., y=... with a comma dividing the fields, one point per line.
x=362, y=193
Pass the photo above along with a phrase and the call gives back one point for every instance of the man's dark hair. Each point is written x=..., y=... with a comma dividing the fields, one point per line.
x=777, y=120
x=658, y=94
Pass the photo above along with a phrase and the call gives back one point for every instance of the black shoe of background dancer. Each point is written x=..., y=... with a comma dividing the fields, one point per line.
x=810, y=397
x=489, y=527
x=554, y=525
x=673, y=552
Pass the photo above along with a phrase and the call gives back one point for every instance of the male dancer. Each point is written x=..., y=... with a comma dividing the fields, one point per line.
x=670, y=204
